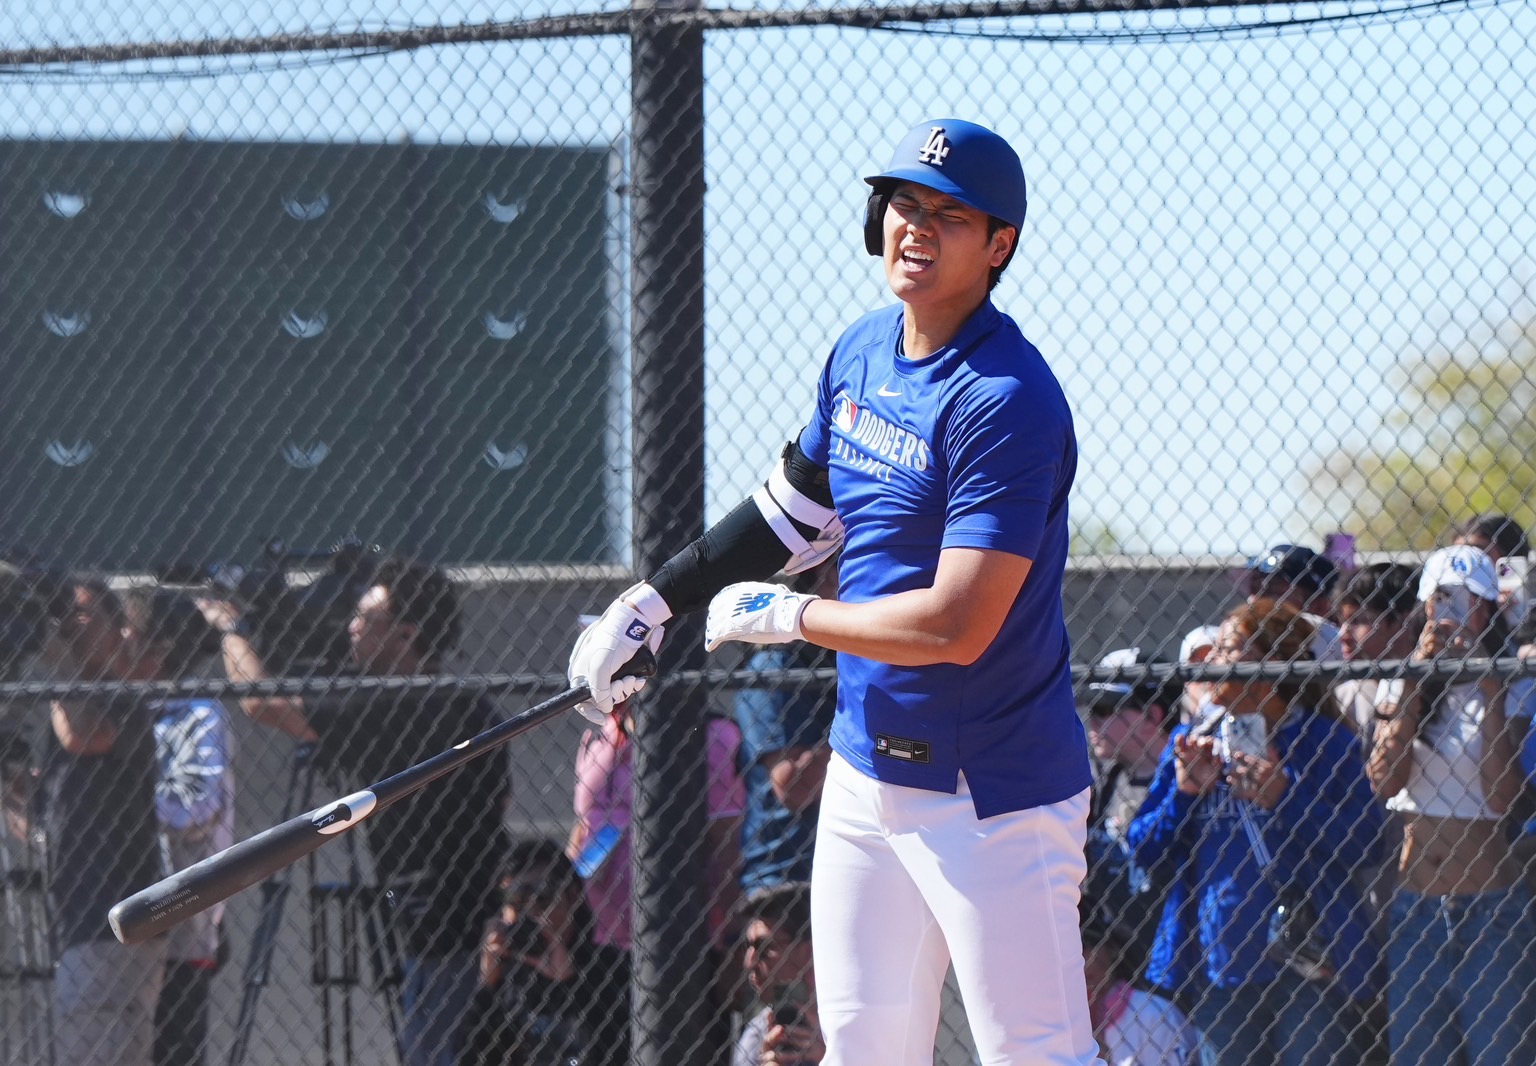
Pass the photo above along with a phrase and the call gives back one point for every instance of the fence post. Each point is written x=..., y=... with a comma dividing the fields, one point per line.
x=672, y=973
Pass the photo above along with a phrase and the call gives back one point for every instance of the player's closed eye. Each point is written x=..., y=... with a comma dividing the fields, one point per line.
x=909, y=208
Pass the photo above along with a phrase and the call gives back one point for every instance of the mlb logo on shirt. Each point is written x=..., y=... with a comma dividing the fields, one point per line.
x=844, y=412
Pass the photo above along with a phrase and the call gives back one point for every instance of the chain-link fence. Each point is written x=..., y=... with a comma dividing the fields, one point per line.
x=533, y=294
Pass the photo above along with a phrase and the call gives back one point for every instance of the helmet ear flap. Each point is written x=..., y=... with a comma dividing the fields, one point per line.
x=874, y=221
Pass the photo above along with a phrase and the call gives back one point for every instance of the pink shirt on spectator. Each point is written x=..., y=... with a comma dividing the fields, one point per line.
x=605, y=796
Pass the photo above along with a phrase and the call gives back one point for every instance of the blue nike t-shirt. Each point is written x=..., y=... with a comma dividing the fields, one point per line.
x=971, y=447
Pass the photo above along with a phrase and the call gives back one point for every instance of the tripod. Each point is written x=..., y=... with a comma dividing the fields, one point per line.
x=345, y=918
x=26, y=960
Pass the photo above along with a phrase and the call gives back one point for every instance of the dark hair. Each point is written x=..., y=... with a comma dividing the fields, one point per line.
x=423, y=597
x=1389, y=589
x=103, y=596
x=1170, y=719
x=541, y=853
x=1499, y=530
x=162, y=616
x=785, y=907
x=1294, y=564
x=1154, y=692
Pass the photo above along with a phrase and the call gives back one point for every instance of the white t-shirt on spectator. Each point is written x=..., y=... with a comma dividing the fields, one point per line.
x=749, y=1044
x=1446, y=779
x=1357, y=700
x=1150, y=1031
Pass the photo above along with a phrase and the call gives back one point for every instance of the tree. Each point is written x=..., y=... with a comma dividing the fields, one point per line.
x=1462, y=442
x=1092, y=536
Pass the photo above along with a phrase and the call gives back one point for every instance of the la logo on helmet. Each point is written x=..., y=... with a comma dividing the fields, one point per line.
x=935, y=148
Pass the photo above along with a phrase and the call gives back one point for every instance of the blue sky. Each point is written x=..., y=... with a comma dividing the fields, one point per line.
x=1230, y=242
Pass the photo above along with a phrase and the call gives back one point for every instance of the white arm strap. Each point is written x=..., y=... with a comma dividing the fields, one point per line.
x=778, y=501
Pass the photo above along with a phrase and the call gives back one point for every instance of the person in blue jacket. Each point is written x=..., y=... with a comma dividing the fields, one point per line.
x=1261, y=821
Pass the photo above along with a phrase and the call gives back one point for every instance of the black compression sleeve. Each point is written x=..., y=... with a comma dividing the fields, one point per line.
x=739, y=547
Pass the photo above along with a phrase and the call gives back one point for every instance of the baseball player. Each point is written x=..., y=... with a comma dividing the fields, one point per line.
x=939, y=455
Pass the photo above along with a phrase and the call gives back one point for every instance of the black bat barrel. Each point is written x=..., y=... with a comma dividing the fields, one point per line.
x=213, y=880
x=216, y=878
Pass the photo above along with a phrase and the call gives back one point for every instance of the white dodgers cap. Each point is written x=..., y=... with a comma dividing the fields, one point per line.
x=1460, y=566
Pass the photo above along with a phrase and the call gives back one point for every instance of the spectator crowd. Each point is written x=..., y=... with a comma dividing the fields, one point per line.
x=512, y=951
x=1305, y=870
x=1283, y=867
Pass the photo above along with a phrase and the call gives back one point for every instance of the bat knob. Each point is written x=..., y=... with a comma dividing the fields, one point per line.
x=640, y=664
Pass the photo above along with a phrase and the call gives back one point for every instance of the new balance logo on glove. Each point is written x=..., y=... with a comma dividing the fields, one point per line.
x=753, y=601
x=754, y=612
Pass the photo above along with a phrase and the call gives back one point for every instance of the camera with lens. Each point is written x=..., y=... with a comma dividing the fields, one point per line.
x=1296, y=940
x=522, y=892
x=296, y=627
x=788, y=1003
x=521, y=938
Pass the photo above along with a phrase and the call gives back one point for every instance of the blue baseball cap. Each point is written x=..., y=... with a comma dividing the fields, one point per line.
x=963, y=160
x=1299, y=566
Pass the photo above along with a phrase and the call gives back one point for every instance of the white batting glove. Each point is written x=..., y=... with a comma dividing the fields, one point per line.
x=754, y=612
x=630, y=622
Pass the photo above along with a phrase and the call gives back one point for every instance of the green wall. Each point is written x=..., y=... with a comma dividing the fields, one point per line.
x=232, y=341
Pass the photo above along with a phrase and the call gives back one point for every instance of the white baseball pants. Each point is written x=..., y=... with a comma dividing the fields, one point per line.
x=906, y=880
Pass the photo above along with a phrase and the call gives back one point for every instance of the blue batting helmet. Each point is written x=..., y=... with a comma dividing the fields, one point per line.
x=964, y=160
x=959, y=158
